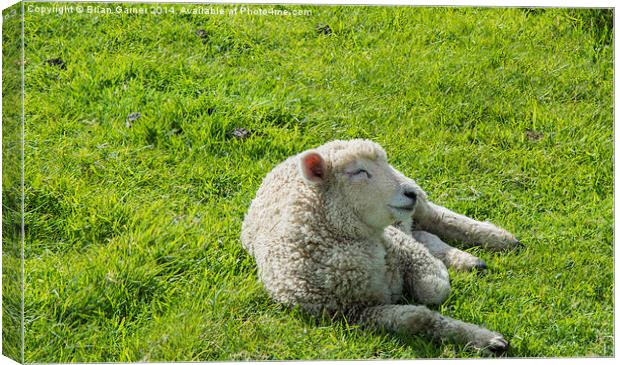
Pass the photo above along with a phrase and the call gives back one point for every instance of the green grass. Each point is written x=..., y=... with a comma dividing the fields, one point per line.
x=132, y=233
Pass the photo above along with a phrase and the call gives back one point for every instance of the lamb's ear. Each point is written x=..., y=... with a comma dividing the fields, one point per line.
x=313, y=167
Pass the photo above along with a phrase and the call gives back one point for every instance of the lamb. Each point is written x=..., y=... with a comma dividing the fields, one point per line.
x=336, y=230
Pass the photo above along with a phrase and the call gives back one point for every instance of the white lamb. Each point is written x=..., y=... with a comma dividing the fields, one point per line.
x=323, y=231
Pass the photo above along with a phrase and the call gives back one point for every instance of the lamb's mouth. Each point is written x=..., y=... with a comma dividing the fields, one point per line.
x=403, y=208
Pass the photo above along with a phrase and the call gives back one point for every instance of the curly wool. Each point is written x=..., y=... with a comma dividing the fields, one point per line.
x=310, y=249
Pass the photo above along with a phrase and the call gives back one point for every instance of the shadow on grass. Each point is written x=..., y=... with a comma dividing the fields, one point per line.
x=422, y=347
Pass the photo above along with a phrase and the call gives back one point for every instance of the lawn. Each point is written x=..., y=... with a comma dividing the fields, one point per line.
x=147, y=136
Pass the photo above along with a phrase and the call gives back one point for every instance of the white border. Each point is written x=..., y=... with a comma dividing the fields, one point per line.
x=485, y=3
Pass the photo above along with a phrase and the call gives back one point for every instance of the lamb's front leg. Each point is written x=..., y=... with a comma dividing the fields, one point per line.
x=419, y=320
x=450, y=225
x=450, y=256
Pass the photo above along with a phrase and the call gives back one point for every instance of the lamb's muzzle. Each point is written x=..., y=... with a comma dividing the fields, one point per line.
x=411, y=195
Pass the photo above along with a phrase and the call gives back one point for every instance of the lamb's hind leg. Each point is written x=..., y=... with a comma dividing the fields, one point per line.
x=419, y=320
x=450, y=225
x=450, y=256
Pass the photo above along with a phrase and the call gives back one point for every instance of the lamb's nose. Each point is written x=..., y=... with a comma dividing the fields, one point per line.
x=411, y=195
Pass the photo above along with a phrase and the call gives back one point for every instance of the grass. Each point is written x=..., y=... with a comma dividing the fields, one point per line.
x=132, y=247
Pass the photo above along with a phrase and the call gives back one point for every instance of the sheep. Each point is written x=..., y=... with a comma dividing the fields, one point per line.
x=337, y=230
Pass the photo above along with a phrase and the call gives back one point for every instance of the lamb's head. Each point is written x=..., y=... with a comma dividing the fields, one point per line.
x=362, y=193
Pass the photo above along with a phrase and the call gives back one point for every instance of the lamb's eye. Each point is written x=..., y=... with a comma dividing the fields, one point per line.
x=361, y=172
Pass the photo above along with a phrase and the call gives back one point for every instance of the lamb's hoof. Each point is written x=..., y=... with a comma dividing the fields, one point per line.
x=497, y=346
x=519, y=245
x=480, y=266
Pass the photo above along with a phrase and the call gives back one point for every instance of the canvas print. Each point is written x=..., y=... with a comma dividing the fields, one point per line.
x=229, y=181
